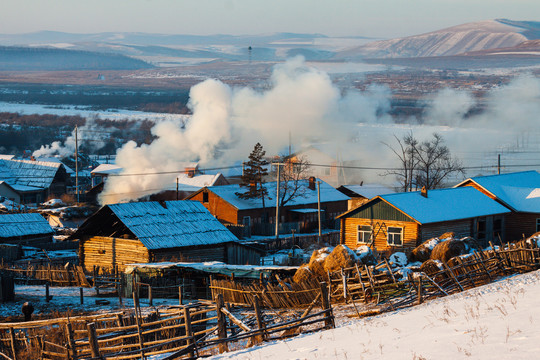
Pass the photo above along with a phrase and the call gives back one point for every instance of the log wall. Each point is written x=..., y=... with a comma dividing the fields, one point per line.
x=107, y=252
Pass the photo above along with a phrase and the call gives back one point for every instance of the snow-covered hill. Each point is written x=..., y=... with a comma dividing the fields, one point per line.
x=489, y=34
x=496, y=321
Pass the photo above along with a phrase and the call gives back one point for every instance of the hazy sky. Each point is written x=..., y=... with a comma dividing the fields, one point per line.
x=375, y=18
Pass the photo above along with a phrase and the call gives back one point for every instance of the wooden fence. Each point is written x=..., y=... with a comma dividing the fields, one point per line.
x=190, y=331
x=54, y=275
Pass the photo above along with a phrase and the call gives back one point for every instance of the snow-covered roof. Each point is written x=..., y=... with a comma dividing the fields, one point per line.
x=369, y=191
x=56, y=160
x=38, y=174
x=307, y=196
x=519, y=190
x=106, y=169
x=177, y=224
x=194, y=183
x=6, y=157
x=445, y=204
x=14, y=225
x=212, y=267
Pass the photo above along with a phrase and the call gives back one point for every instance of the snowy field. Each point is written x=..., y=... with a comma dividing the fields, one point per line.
x=496, y=321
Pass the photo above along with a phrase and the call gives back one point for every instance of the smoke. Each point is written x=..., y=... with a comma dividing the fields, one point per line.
x=302, y=101
x=227, y=122
x=67, y=148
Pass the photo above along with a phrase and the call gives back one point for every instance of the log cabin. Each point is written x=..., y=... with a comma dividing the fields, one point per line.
x=144, y=232
x=402, y=221
x=519, y=192
x=29, y=229
x=301, y=213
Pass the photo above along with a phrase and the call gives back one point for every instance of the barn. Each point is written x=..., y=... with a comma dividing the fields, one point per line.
x=25, y=229
x=519, y=192
x=402, y=221
x=143, y=232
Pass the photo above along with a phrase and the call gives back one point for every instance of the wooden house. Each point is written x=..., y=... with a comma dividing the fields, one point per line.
x=25, y=229
x=302, y=211
x=362, y=193
x=519, y=192
x=402, y=221
x=33, y=181
x=144, y=232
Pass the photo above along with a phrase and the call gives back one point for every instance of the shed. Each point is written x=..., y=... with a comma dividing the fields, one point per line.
x=401, y=221
x=143, y=232
x=517, y=191
x=25, y=229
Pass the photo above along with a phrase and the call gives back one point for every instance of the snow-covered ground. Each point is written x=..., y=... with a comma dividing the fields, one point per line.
x=497, y=321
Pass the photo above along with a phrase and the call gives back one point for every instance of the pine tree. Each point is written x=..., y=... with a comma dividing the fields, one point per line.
x=253, y=175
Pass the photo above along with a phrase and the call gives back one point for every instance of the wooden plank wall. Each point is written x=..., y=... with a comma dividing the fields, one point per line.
x=461, y=228
x=519, y=225
x=410, y=234
x=107, y=252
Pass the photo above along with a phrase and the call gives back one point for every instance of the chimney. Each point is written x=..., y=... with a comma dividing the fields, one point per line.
x=423, y=192
x=190, y=172
x=311, y=184
x=253, y=186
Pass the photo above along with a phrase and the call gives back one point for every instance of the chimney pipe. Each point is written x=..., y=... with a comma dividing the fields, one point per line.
x=423, y=192
x=311, y=184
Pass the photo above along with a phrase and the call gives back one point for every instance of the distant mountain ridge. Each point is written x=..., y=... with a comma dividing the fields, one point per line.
x=460, y=39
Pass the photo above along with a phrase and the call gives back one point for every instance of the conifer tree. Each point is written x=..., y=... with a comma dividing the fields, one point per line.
x=253, y=175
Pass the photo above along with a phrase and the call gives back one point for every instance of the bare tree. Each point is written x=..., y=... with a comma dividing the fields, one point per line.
x=426, y=163
x=292, y=179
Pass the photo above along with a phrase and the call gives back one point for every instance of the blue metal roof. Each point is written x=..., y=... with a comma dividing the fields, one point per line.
x=177, y=224
x=14, y=225
x=445, y=204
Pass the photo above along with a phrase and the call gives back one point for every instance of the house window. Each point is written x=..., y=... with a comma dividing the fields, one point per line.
x=364, y=234
x=204, y=197
x=394, y=236
x=537, y=225
x=497, y=228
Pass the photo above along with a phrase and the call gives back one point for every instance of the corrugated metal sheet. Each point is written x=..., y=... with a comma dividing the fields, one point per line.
x=15, y=225
x=28, y=173
x=178, y=224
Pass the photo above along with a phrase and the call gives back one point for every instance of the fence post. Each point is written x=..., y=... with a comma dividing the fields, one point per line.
x=150, y=298
x=420, y=300
x=260, y=321
x=71, y=339
x=13, y=344
x=180, y=295
x=92, y=340
x=47, y=292
x=222, y=324
x=325, y=300
x=189, y=332
x=81, y=294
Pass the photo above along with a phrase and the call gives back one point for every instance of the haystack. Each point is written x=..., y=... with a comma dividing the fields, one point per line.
x=423, y=251
x=341, y=257
x=364, y=255
x=302, y=274
x=316, y=262
x=446, y=250
x=431, y=267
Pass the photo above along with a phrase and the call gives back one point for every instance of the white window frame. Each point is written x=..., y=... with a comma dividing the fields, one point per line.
x=360, y=234
x=390, y=235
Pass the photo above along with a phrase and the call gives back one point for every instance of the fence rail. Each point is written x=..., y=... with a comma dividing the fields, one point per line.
x=53, y=274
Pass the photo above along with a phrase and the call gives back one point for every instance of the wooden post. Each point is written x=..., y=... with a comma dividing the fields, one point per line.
x=189, y=332
x=71, y=340
x=361, y=283
x=138, y=322
x=344, y=280
x=120, y=292
x=94, y=274
x=420, y=300
x=13, y=344
x=260, y=321
x=325, y=300
x=180, y=295
x=390, y=270
x=92, y=340
x=150, y=298
x=81, y=295
x=47, y=291
x=222, y=324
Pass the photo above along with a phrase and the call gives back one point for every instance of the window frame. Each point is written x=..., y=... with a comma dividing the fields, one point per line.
x=359, y=230
x=390, y=235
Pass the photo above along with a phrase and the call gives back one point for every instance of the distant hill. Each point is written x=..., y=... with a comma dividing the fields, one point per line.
x=477, y=36
x=47, y=59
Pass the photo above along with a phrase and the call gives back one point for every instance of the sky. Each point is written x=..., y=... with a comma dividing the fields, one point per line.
x=371, y=18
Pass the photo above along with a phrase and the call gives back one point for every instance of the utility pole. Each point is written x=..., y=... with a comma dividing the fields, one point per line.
x=77, y=163
x=319, y=207
x=277, y=199
x=177, y=187
x=499, y=164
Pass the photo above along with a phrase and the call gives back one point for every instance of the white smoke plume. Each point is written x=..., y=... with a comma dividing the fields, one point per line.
x=227, y=122
x=67, y=148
